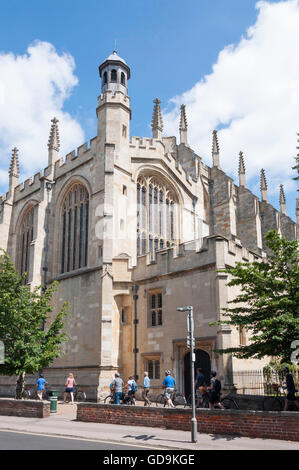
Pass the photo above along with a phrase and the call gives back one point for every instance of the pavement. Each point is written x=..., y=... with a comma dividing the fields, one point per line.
x=64, y=424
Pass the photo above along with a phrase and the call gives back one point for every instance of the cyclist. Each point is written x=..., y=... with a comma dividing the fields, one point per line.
x=131, y=386
x=40, y=384
x=214, y=389
x=290, y=386
x=168, y=386
x=117, y=387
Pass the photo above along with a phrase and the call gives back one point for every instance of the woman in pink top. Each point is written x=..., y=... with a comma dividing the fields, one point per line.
x=69, y=388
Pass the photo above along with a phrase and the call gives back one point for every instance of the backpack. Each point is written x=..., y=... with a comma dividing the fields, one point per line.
x=134, y=387
x=217, y=386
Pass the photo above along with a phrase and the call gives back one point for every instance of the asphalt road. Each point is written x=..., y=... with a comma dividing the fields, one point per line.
x=26, y=441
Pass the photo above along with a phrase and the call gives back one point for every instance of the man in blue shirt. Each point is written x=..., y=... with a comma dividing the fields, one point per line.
x=146, y=389
x=168, y=385
x=40, y=383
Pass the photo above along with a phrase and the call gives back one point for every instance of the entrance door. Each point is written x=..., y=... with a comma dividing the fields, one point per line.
x=202, y=360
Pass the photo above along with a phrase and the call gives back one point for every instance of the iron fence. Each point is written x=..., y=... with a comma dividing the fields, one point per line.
x=259, y=382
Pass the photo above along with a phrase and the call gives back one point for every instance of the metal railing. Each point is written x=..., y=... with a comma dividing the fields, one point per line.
x=259, y=382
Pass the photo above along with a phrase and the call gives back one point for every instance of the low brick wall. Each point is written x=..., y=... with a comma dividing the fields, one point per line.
x=262, y=424
x=24, y=408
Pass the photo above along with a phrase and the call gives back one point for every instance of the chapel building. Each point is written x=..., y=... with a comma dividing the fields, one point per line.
x=133, y=228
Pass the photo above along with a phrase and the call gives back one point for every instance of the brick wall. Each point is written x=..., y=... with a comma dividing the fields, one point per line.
x=24, y=408
x=270, y=425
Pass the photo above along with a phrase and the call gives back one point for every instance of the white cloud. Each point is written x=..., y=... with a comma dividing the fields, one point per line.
x=33, y=89
x=252, y=97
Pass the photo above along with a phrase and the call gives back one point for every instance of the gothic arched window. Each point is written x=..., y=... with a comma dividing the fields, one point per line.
x=105, y=78
x=123, y=79
x=113, y=75
x=25, y=238
x=74, y=242
x=156, y=215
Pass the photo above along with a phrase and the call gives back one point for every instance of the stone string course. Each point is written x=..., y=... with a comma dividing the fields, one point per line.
x=259, y=424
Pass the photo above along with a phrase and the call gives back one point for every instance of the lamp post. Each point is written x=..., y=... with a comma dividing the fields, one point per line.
x=135, y=297
x=190, y=344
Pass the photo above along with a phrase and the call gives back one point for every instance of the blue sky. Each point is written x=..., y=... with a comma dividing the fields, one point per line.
x=170, y=46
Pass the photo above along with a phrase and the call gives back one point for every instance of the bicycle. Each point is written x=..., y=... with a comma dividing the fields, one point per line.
x=178, y=399
x=79, y=394
x=124, y=399
x=228, y=401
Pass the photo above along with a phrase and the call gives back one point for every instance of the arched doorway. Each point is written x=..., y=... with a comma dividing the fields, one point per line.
x=202, y=360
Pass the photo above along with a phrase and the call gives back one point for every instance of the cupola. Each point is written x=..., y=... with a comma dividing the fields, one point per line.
x=114, y=73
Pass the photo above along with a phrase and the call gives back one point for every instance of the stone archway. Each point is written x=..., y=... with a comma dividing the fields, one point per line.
x=202, y=360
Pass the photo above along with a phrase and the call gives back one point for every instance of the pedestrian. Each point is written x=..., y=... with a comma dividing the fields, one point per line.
x=290, y=387
x=70, y=383
x=18, y=386
x=215, y=391
x=40, y=384
x=200, y=389
x=117, y=387
x=146, y=389
x=168, y=386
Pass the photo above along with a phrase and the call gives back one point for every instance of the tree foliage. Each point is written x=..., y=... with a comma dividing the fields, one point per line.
x=268, y=305
x=29, y=347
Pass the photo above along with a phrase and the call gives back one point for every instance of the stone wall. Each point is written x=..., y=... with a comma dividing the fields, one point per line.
x=268, y=425
x=24, y=408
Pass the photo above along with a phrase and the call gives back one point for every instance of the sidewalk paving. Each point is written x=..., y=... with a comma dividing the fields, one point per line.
x=63, y=423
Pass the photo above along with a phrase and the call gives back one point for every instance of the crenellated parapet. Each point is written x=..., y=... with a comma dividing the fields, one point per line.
x=76, y=158
x=199, y=254
x=146, y=149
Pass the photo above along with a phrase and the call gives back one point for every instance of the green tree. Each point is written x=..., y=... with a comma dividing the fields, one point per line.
x=29, y=347
x=268, y=305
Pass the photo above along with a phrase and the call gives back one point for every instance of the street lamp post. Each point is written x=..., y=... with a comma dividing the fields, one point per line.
x=191, y=344
x=135, y=297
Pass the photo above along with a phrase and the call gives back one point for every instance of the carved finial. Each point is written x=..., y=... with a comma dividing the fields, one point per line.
x=282, y=200
x=215, y=150
x=157, y=122
x=264, y=187
x=183, y=125
x=54, y=143
x=242, y=177
x=14, y=169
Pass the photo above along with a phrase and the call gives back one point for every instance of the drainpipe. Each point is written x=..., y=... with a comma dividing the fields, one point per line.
x=49, y=185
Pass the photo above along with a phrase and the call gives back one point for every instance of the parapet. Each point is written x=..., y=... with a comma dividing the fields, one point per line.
x=198, y=254
x=75, y=158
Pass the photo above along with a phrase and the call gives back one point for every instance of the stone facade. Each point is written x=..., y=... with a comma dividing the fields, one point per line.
x=121, y=212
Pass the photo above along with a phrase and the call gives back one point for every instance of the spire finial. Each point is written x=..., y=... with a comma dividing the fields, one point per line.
x=14, y=169
x=54, y=143
x=282, y=200
x=183, y=125
x=242, y=177
x=264, y=186
x=157, y=122
x=215, y=150
x=115, y=49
